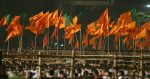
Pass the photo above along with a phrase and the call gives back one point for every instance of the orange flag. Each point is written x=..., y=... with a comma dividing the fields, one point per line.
x=3, y=21
x=77, y=44
x=114, y=30
x=45, y=41
x=143, y=34
x=91, y=28
x=146, y=25
x=147, y=44
x=125, y=40
x=130, y=26
x=57, y=25
x=126, y=17
x=85, y=41
x=71, y=38
x=104, y=22
x=14, y=28
x=35, y=17
x=100, y=43
x=34, y=24
x=92, y=42
x=72, y=29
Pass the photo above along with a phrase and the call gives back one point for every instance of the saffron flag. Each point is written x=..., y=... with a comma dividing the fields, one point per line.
x=85, y=41
x=45, y=41
x=143, y=34
x=91, y=28
x=5, y=20
x=14, y=28
x=77, y=45
x=92, y=42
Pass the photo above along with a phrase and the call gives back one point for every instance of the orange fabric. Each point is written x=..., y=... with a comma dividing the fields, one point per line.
x=85, y=41
x=77, y=45
x=14, y=28
x=72, y=29
x=143, y=34
x=45, y=41
x=104, y=22
x=92, y=42
x=3, y=21
x=125, y=40
x=91, y=28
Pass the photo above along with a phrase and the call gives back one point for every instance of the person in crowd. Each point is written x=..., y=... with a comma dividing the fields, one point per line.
x=61, y=74
x=50, y=73
x=3, y=75
x=121, y=75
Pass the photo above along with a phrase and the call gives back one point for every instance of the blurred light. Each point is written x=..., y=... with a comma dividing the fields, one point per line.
x=55, y=43
x=61, y=45
x=148, y=5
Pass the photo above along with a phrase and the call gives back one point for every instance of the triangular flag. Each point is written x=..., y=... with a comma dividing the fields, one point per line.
x=5, y=20
x=77, y=44
x=45, y=41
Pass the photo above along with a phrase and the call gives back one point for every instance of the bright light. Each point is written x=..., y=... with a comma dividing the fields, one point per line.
x=61, y=45
x=55, y=43
x=148, y=5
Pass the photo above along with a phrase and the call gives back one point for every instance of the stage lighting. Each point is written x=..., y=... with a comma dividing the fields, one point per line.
x=148, y=5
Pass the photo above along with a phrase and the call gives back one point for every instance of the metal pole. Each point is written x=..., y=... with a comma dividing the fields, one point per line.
x=119, y=45
x=0, y=62
x=64, y=44
x=115, y=65
x=72, y=64
x=20, y=44
x=8, y=47
x=39, y=68
x=57, y=41
x=48, y=38
x=108, y=49
x=34, y=44
x=20, y=40
x=141, y=63
x=80, y=42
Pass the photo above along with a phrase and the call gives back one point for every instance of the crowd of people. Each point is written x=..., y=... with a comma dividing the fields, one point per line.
x=29, y=70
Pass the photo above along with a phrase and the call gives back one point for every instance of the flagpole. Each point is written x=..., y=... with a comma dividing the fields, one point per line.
x=21, y=42
x=8, y=46
x=64, y=43
x=141, y=62
x=35, y=38
x=80, y=42
x=76, y=41
x=48, y=38
x=119, y=45
x=21, y=38
x=57, y=42
x=134, y=52
x=108, y=47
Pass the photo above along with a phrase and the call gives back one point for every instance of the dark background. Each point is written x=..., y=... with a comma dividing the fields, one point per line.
x=89, y=12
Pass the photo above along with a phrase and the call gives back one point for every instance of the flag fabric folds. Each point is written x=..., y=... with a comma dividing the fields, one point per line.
x=126, y=30
x=5, y=20
x=14, y=28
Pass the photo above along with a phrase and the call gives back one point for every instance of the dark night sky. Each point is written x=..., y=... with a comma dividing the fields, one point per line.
x=88, y=13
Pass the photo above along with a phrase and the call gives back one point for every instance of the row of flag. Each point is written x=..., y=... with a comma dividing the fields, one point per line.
x=125, y=27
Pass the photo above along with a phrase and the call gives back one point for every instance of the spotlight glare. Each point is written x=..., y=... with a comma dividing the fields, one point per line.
x=55, y=43
x=62, y=45
x=148, y=5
